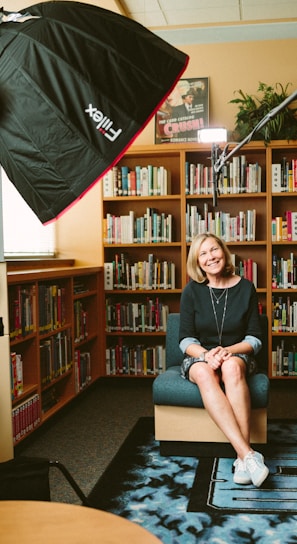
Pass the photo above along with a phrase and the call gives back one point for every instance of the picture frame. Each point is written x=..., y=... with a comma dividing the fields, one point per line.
x=184, y=112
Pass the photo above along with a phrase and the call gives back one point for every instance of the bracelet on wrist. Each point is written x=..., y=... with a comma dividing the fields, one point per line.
x=201, y=357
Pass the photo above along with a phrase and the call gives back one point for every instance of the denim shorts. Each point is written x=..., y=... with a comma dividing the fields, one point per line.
x=251, y=365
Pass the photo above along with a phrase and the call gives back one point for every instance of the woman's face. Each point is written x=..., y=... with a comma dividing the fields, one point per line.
x=211, y=257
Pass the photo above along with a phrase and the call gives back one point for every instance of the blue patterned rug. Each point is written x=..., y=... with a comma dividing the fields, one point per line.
x=184, y=500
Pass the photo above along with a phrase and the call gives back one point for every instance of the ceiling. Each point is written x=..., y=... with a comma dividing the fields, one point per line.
x=156, y=13
x=185, y=22
x=188, y=21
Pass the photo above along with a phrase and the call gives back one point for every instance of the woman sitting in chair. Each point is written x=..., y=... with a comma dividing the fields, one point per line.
x=219, y=335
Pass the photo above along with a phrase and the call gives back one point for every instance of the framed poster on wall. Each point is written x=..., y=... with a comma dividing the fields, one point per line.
x=184, y=112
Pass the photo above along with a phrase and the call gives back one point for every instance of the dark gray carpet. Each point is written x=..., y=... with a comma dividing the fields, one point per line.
x=86, y=435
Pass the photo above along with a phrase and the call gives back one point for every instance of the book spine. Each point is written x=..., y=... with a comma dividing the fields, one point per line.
x=276, y=178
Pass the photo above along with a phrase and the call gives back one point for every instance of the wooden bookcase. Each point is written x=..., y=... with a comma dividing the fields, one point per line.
x=6, y=442
x=280, y=202
x=55, y=316
x=265, y=203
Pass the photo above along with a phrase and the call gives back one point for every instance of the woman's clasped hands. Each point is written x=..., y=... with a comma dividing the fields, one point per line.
x=215, y=357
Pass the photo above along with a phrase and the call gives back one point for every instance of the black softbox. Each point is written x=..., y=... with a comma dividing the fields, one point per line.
x=77, y=85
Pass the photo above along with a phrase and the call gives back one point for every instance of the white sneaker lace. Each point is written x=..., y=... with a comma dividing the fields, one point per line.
x=239, y=465
x=253, y=462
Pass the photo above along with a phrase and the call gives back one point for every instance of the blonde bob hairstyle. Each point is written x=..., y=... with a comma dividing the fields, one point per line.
x=193, y=268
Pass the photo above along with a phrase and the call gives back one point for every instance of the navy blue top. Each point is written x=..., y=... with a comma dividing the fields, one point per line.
x=197, y=318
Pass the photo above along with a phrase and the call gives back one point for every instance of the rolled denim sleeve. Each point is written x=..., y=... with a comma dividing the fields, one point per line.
x=185, y=343
x=254, y=342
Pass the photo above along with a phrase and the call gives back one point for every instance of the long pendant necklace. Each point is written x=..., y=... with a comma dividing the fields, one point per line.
x=213, y=298
x=217, y=299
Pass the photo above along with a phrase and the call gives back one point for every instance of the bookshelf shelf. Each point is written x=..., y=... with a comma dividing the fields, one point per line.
x=79, y=296
x=52, y=411
x=53, y=368
x=177, y=158
x=143, y=291
x=150, y=245
x=28, y=390
x=150, y=198
x=87, y=340
x=241, y=196
x=55, y=381
x=44, y=335
x=281, y=333
x=126, y=333
x=284, y=243
x=283, y=194
x=16, y=341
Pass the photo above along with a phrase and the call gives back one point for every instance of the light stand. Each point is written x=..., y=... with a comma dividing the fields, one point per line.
x=219, y=161
x=215, y=157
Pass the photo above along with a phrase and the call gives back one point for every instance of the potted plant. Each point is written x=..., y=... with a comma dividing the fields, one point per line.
x=252, y=109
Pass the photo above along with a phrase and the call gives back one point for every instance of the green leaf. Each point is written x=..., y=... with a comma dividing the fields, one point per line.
x=253, y=108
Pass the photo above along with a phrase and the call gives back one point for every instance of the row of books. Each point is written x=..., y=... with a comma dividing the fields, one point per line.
x=284, y=314
x=52, y=307
x=152, y=227
x=55, y=356
x=22, y=320
x=142, y=181
x=284, y=360
x=82, y=369
x=25, y=417
x=284, y=176
x=237, y=176
x=136, y=360
x=248, y=268
x=241, y=228
x=284, y=228
x=81, y=322
x=16, y=368
x=143, y=275
x=284, y=272
x=150, y=316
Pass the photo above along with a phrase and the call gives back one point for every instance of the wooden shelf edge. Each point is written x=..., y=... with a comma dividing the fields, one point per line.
x=27, y=392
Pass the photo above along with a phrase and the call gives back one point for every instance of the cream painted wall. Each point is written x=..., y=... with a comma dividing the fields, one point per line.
x=229, y=66
x=78, y=231
x=232, y=66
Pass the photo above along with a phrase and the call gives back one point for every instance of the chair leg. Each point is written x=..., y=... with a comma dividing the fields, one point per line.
x=72, y=482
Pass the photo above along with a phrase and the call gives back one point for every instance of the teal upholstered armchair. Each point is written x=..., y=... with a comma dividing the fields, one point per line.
x=179, y=410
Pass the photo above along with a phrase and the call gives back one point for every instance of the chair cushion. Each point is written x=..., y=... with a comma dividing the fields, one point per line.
x=171, y=389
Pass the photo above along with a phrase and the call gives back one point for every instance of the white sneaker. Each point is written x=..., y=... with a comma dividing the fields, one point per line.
x=254, y=463
x=241, y=475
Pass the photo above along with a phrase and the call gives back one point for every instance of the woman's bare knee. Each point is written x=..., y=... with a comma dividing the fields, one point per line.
x=201, y=373
x=233, y=369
